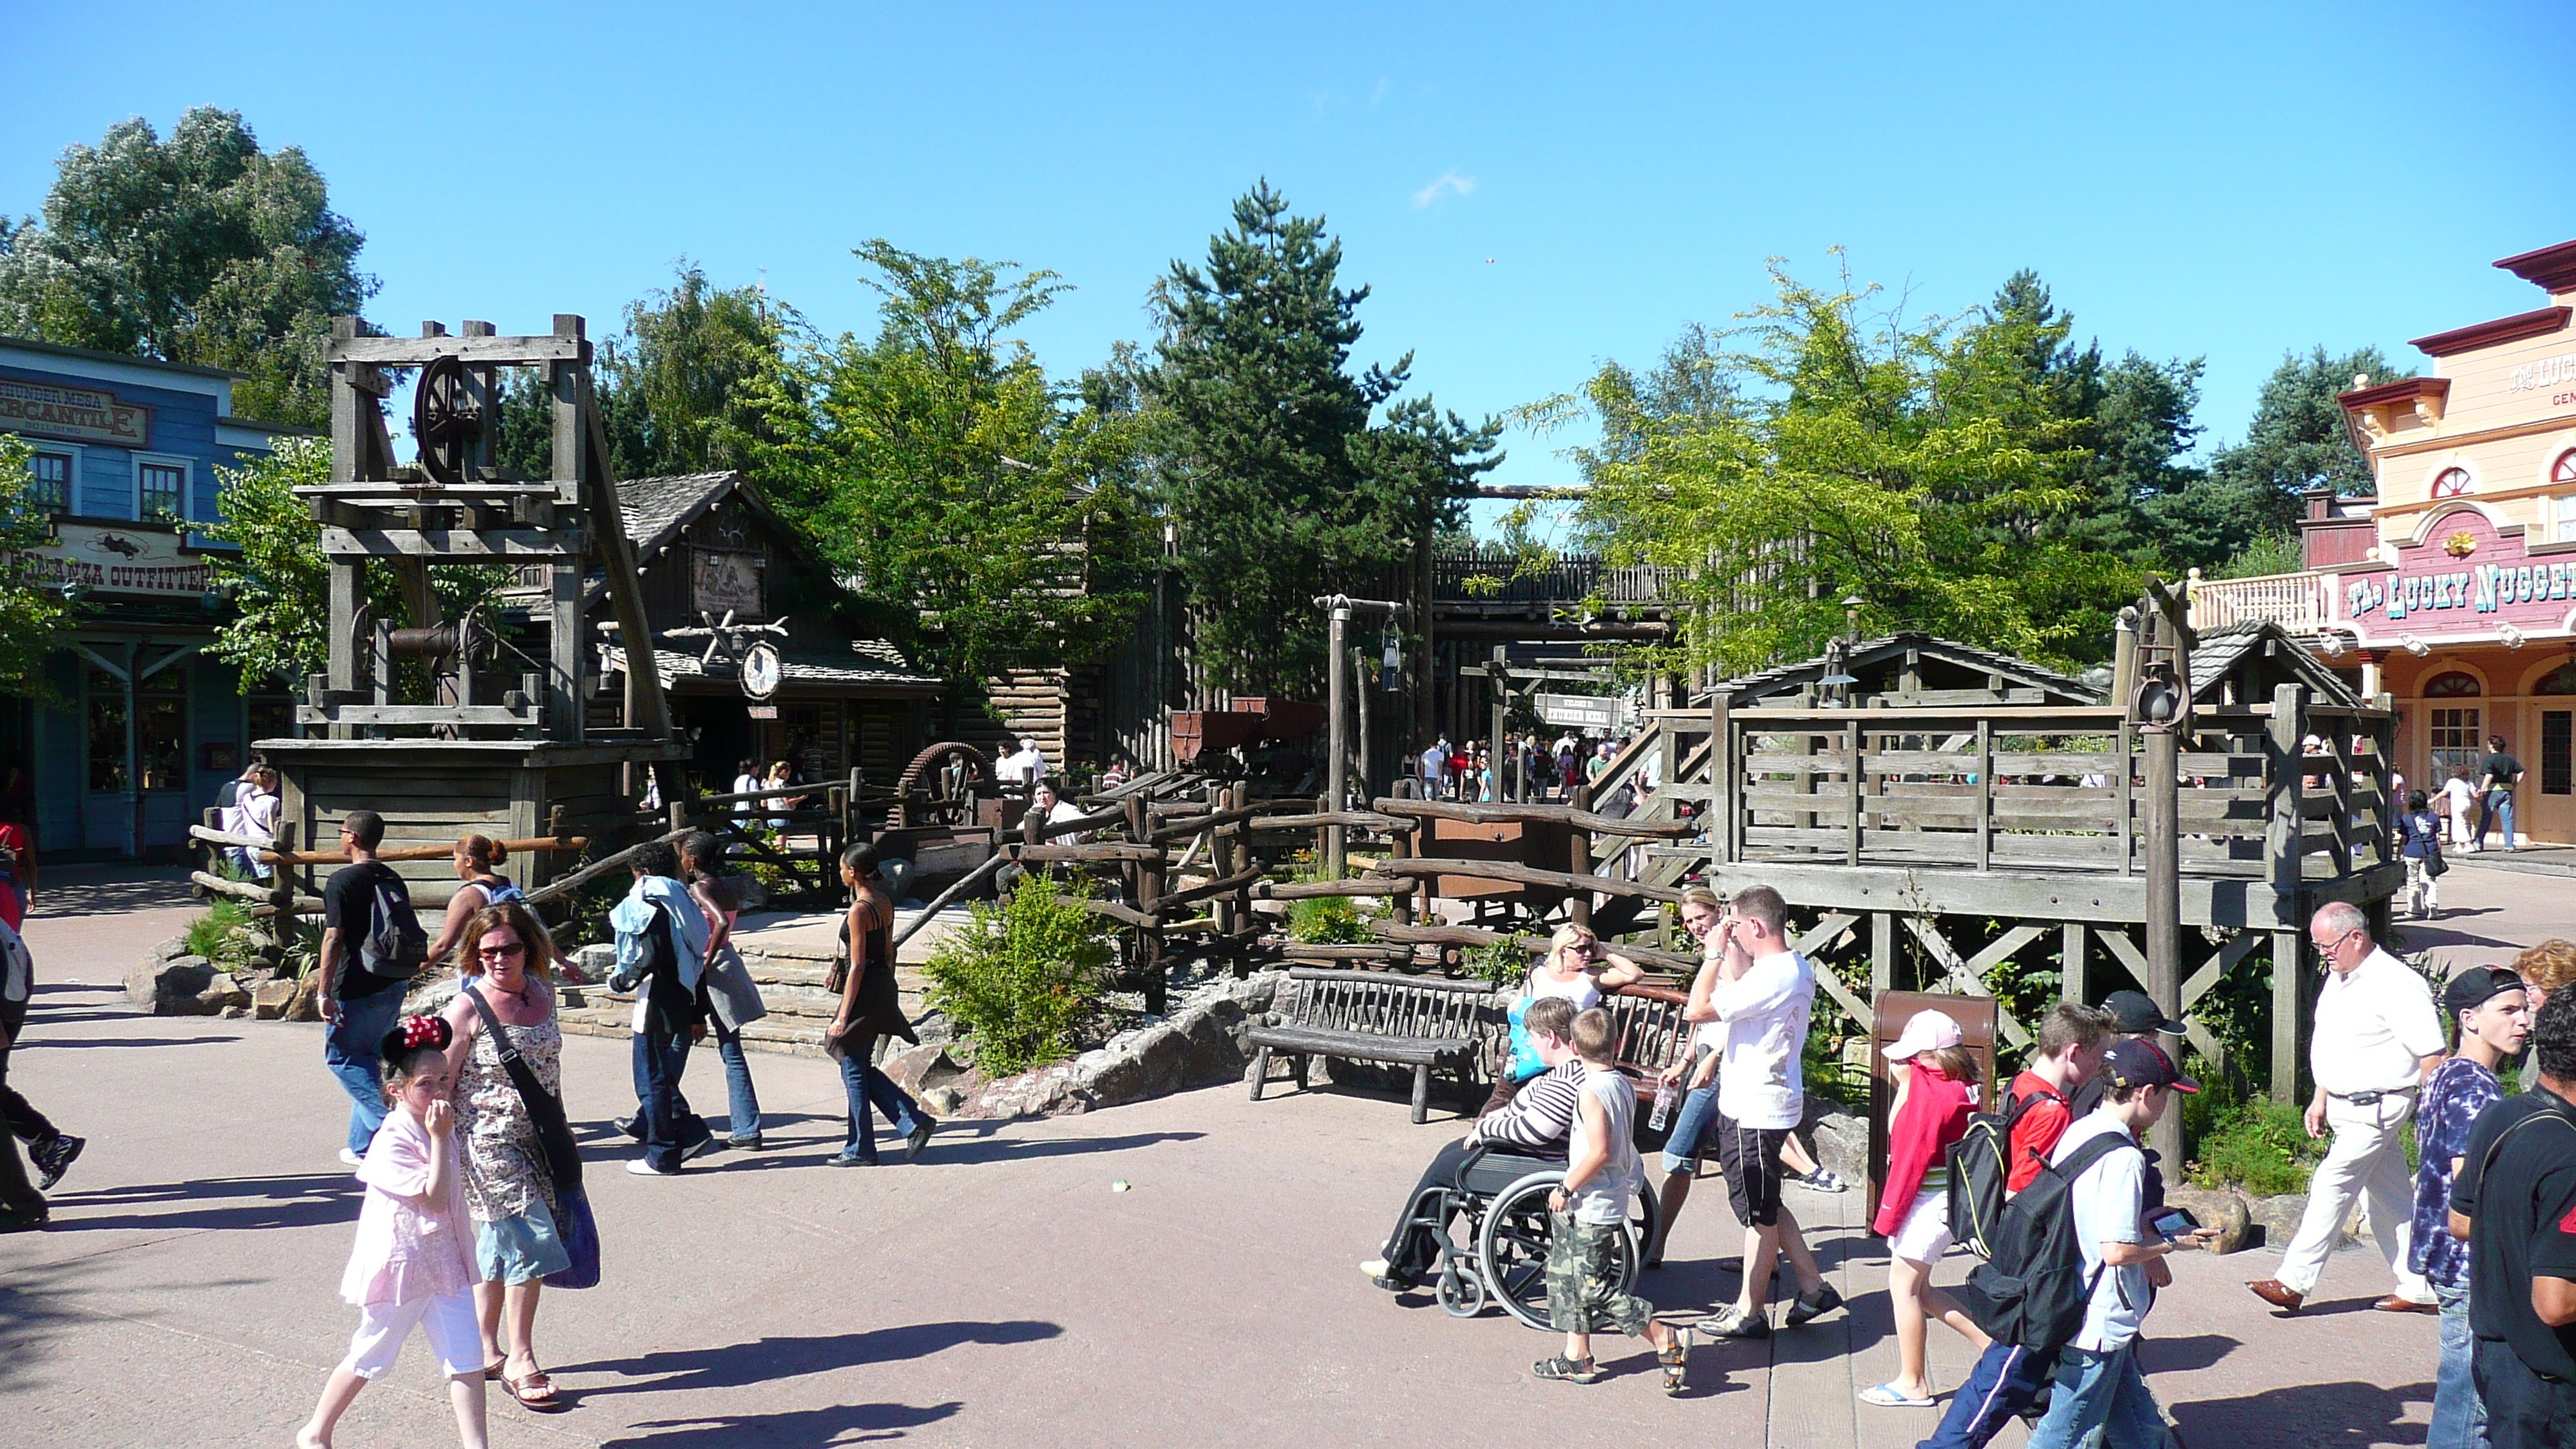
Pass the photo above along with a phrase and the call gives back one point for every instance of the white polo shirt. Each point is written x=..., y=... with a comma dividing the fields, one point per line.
x=1760, y=1029
x=2375, y=1025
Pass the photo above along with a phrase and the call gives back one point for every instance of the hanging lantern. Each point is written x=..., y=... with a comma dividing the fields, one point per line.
x=1391, y=667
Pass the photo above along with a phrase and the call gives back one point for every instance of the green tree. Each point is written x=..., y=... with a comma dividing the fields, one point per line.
x=938, y=467
x=201, y=249
x=1924, y=466
x=1265, y=452
x=2297, y=441
x=34, y=615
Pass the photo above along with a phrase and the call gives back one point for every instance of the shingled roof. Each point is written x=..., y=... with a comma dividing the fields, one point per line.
x=1779, y=679
x=2218, y=651
x=657, y=510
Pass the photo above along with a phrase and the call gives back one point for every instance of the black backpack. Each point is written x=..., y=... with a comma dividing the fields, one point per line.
x=1981, y=1171
x=395, y=946
x=2034, y=1291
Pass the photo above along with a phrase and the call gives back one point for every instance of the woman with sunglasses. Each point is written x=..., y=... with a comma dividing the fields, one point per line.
x=507, y=956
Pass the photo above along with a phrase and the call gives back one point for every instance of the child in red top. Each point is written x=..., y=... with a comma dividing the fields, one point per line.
x=1933, y=1100
x=2064, y=1057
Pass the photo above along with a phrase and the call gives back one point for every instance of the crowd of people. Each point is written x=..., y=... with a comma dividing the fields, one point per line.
x=2481, y=1232
x=1529, y=768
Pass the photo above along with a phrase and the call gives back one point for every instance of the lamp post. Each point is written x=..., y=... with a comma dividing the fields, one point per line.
x=1338, y=609
x=2161, y=708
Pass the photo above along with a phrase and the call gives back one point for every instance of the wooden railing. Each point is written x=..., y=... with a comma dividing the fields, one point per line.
x=2296, y=602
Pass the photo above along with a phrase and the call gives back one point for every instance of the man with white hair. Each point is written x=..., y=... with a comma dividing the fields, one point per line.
x=2377, y=1038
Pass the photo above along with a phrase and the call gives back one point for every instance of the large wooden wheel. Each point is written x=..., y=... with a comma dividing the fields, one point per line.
x=941, y=785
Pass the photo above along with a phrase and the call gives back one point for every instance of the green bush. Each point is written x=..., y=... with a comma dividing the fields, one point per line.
x=1502, y=965
x=2260, y=1146
x=221, y=934
x=1024, y=974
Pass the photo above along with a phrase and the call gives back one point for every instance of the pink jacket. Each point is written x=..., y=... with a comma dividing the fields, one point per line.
x=1934, y=1116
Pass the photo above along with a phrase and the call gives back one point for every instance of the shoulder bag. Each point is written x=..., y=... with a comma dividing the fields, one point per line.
x=573, y=1221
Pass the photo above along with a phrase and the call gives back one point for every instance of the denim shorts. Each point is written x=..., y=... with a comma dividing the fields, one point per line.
x=520, y=1249
x=1692, y=1123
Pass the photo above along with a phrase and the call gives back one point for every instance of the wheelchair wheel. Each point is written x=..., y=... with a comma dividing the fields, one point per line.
x=1512, y=1244
x=1461, y=1293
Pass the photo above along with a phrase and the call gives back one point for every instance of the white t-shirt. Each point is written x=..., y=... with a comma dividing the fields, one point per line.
x=2460, y=793
x=744, y=785
x=2108, y=1199
x=1064, y=810
x=1604, y=1196
x=1025, y=766
x=1760, y=1029
x=2375, y=1025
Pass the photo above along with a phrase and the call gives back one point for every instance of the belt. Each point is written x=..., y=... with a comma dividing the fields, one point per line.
x=2365, y=1099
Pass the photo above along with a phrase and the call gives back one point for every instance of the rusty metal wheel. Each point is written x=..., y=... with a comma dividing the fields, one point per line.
x=941, y=785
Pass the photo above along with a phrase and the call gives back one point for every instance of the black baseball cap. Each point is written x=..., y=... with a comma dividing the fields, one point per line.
x=2135, y=1012
x=2477, y=986
x=2143, y=1064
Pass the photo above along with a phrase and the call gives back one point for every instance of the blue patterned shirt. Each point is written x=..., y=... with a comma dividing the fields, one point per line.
x=2460, y=1089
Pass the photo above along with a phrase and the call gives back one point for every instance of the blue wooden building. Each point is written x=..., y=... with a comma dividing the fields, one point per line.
x=144, y=726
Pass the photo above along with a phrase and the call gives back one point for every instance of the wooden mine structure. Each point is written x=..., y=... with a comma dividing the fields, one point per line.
x=435, y=719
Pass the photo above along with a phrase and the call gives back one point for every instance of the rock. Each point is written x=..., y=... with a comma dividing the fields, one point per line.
x=235, y=1013
x=1840, y=1140
x=1213, y=1048
x=307, y=1005
x=222, y=994
x=171, y=950
x=594, y=962
x=942, y=1101
x=2227, y=1211
x=270, y=1000
x=2279, y=1216
x=172, y=987
x=918, y=1069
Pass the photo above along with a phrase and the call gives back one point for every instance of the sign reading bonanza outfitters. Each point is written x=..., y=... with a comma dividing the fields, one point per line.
x=2464, y=578
x=116, y=559
x=79, y=414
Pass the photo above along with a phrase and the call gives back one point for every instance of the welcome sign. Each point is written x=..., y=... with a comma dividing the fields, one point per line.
x=2465, y=578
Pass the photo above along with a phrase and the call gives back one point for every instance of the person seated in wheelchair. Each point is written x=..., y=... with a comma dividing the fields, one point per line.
x=1504, y=1144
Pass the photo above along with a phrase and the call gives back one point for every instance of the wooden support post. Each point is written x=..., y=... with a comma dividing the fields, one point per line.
x=2164, y=897
x=1851, y=748
x=2127, y=746
x=1882, y=956
x=1725, y=772
x=2071, y=986
x=1498, y=687
x=2288, y=955
x=1337, y=741
x=1578, y=905
x=1985, y=794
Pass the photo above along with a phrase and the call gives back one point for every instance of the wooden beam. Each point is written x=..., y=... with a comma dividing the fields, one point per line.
x=456, y=545
x=1528, y=875
x=496, y=715
x=496, y=351
x=1538, y=814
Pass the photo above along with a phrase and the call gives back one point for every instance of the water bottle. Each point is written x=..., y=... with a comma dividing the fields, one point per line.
x=1664, y=1099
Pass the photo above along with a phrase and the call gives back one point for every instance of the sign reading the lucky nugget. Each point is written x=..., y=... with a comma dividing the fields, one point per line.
x=2465, y=578
x=79, y=414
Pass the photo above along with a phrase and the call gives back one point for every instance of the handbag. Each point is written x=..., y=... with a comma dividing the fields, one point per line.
x=574, y=1225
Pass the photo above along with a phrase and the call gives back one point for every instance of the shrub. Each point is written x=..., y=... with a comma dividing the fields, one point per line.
x=222, y=934
x=1502, y=965
x=2261, y=1146
x=1025, y=973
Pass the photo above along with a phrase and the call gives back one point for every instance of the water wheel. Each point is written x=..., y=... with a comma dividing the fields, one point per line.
x=941, y=785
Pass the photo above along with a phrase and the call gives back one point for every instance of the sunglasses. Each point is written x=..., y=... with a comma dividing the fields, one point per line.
x=501, y=952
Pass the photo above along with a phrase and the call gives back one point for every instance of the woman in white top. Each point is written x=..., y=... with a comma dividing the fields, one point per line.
x=253, y=813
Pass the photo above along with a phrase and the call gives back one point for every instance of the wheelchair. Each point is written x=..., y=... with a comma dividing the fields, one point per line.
x=1500, y=1257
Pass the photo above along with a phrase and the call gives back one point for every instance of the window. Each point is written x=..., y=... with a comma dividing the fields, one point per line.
x=2565, y=469
x=49, y=482
x=161, y=728
x=2450, y=482
x=165, y=492
x=106, y=732
x=2555, y=774
x=2452, y=684
x=2454, y=738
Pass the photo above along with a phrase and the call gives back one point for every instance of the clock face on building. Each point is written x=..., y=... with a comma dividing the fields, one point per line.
x=761, y=670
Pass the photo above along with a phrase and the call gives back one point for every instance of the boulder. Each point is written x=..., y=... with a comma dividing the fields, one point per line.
x=172, y=986
x=222, y=993
x=1840, y=1140
x=270, y=1000
x=918, y=1069
x=2226, y=1210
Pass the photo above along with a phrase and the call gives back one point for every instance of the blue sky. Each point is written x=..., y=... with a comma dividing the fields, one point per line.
x=1528, y=191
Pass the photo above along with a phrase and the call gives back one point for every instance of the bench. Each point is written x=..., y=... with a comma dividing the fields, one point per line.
x=1426, y=1023
x=1431, y=1024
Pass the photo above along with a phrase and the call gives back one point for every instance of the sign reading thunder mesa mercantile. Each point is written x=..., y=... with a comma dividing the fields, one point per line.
x=79, y=414
x=116, y=559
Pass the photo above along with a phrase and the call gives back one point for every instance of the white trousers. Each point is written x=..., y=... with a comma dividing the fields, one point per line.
x=454, y=1335
x=2367, y=1161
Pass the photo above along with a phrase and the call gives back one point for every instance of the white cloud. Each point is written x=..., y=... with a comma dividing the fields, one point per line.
x=1449, y=184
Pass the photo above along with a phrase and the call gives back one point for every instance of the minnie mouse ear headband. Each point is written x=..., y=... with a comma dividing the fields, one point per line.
x=413, y=1033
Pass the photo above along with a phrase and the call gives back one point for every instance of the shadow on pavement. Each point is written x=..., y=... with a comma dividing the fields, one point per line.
x=301, y=1201
x=124, y=1041
x=2181, y=1355
x=740, y=1365
x=109, y=890
x=2307, y=1416
x=1008, y=1149
x=836, y=1424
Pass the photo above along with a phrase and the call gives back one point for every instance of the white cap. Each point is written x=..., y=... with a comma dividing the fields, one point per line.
x=1926, y=1031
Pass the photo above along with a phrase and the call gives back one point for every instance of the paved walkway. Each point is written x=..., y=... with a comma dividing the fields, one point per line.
x=999, y=1293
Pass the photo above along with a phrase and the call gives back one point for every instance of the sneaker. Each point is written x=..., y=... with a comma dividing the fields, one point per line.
x=920, y=1138
x=844, y=1159
x=1374, y=1268
x=1823, y=1181
x=1733, y=1322
x=351, y=1158
x=55, y=1158
x=751, y=1143
x=1567, y=1370
x=702, y=1149
x=642, y=1168
x=631, y=1126
x=18, y=1222
x=1812, y=1306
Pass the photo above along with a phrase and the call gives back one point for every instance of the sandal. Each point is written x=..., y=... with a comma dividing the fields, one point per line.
x=534, y=1391
x=492, y=1370
x=1676, y=1359
x=1888, y=1396
x=1571, y=1370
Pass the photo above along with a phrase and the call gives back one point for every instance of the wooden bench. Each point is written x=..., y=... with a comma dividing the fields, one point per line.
x=1426, y=1023
x=1431, y=1024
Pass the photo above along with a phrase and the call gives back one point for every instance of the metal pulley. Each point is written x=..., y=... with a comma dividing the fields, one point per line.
x=446, y=419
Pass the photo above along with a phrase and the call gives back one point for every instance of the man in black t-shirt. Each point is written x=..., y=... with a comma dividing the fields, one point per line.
x=2515, y=1202
x=2498, y=773
x=359, y=1004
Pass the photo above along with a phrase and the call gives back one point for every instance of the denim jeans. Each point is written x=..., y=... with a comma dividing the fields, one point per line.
x=349, y=1050
x=669, y=1128
x=1691, y=1122
x=2459, y=1417
x=2496, y=809
x=2102, y=1391
x=738, y=1090
x=869, y=1088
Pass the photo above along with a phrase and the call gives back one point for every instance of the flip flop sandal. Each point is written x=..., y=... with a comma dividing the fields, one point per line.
x=492, y=1370
x=1886, y=1396
x=1676, y=1360
x=534, y=1391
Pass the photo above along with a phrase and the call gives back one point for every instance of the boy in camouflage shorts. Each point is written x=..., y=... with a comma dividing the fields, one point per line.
x=1585, y=1217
